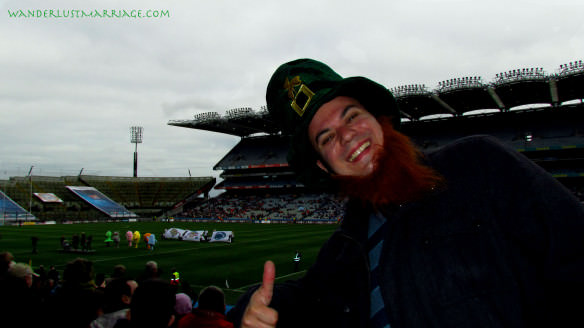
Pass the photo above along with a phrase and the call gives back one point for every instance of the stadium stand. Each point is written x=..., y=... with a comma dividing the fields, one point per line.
x=281, y=206
x=538, y=114
x=147, y=197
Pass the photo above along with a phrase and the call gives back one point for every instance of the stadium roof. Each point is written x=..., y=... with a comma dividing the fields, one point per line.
x=455, y=97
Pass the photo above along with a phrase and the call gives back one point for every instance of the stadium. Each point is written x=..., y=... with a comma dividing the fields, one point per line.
x=537, y=113
x=540, y=115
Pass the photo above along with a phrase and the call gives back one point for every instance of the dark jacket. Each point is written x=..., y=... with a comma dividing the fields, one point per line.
x=500, y=244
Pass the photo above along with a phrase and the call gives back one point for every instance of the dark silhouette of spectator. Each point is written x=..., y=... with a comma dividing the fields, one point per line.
x=209, y=313
x=53, y=274
x=21, y=271
x=89, y=240
x=75, y=241
x=83, y=241
x=119, y=271
x=150, y=272
x=17, y=298
x=75, y=301
x=152, y=306
x=6, y=259
x=116, y=303
x=100, y=280
x=41, y=272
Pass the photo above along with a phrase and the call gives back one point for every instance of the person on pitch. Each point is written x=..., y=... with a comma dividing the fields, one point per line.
x=470, y=235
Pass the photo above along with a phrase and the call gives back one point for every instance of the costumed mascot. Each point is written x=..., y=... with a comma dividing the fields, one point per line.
x=151, y=241
x=145, y=238
x=129, y=236
x=108, y=238
x=136, y=239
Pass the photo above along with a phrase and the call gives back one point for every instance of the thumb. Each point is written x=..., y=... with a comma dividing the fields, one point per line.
x=267, y=288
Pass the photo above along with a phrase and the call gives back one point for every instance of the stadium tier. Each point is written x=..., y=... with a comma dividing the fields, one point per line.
x=83, y=198
x=259, y=152
x=279, y=206
x=538, y=114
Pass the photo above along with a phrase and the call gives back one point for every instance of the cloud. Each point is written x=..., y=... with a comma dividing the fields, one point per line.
x=71, y=88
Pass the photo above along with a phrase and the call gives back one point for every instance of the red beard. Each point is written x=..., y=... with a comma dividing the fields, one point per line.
x=398, y=176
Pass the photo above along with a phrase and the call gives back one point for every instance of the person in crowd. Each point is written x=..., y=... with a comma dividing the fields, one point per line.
x=175, y=277
x=17, y=299
x=23, y=272
x=41, y=272
x=75, y=302
x=183, y=306
x=53, y=274
x=210, y=313
x=119, y=271
x=152, y=306
x=6, y=260
x=472, y=234
x=117, y=299
x=100, y=280
x=151, y=271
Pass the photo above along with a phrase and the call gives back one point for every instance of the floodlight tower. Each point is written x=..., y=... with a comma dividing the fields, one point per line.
x=30, y=182
x=136, y=132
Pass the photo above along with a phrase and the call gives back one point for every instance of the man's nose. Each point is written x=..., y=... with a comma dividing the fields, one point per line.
x=346, y=134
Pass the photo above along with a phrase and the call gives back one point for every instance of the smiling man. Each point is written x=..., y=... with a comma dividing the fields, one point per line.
x=471, y=235
x=346, y=136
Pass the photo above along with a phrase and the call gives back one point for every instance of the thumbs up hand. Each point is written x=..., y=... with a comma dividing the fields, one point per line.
x=258, y=313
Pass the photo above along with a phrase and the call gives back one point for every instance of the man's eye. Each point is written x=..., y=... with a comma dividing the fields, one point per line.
x=326, y=140
x=351, y=117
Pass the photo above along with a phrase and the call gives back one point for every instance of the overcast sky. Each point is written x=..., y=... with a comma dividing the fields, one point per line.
x=71, y=87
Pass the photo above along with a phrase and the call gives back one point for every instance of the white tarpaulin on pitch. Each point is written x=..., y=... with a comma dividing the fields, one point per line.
x=194, y=235
x=182, y=234
x=221, y=237
x=173, y=233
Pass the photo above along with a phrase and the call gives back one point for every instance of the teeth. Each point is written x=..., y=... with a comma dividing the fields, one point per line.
x=359, y=151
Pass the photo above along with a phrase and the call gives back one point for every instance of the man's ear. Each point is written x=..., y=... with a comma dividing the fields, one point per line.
x=322, y=166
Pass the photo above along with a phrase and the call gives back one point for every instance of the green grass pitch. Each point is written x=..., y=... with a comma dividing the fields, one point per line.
x=200, y=264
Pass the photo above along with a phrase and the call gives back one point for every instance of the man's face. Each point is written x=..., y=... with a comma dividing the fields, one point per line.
x=346, y=136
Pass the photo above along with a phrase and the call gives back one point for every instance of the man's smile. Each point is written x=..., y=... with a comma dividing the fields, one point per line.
x=359, y=151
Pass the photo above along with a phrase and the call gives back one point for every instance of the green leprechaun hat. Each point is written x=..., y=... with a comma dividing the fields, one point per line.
x=297, y=90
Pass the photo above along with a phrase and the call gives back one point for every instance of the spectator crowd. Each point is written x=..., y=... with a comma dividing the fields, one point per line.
x=288, y=207
x=78, y=297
